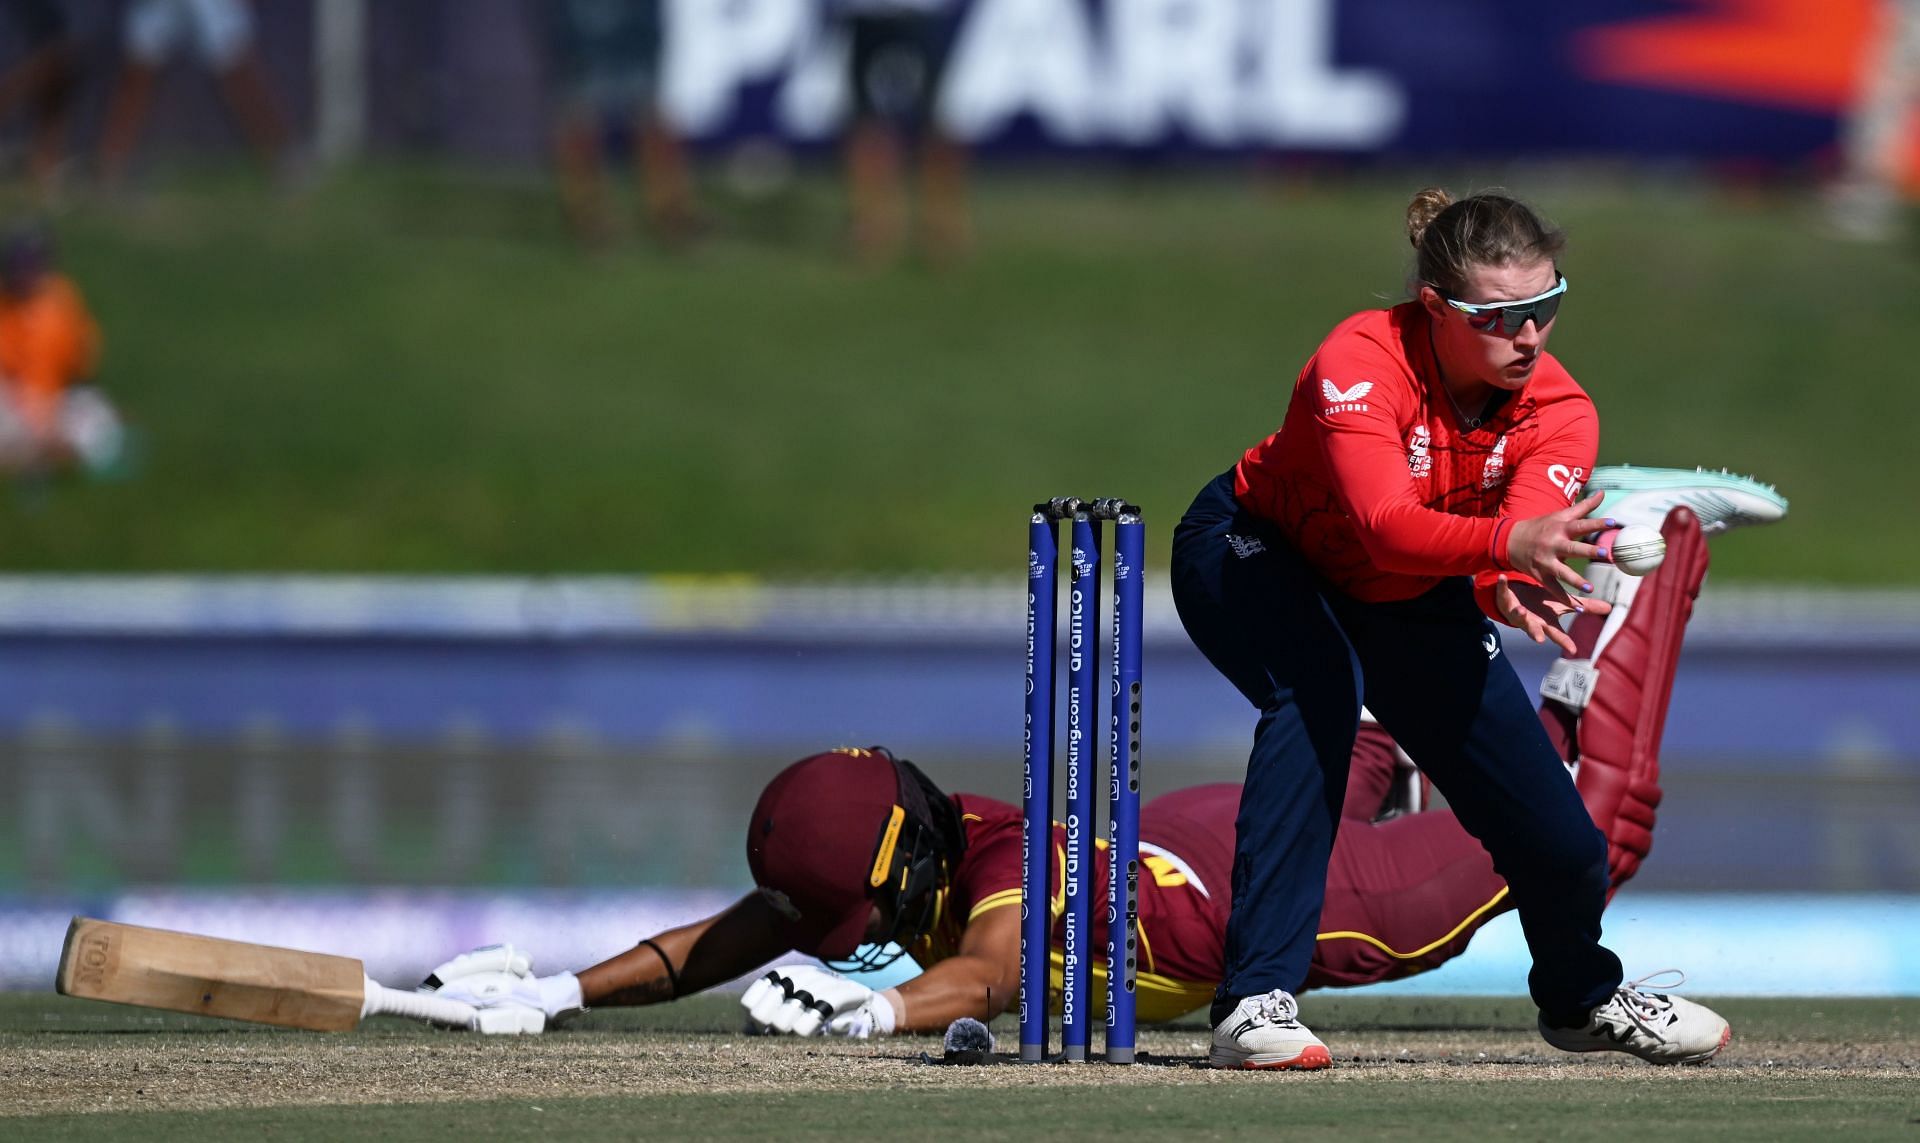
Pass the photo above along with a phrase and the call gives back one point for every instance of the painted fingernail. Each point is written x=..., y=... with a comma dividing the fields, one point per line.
x=1611, y=522
x=1587, y=587
x=1580, y=607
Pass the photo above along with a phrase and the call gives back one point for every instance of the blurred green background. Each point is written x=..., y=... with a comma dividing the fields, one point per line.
x=412, y=369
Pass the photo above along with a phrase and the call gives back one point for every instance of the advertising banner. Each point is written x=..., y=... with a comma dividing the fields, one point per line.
x=1766, y=83
x=1731, y=79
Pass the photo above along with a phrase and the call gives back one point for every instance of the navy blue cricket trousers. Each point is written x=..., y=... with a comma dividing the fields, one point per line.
x=1431, y=670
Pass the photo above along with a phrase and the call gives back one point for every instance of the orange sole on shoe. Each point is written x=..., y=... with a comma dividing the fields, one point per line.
x=1306, y=1061
x=1726, y=1038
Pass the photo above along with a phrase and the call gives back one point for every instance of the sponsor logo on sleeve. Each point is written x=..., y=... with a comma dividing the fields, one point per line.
x=1568, y=480
x=1419, y=454
x=1345, y=400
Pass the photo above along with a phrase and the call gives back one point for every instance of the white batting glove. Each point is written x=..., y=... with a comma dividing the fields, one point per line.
x=498, y=982
x=508, y=1005
x=488, y=958
x=800, y=1000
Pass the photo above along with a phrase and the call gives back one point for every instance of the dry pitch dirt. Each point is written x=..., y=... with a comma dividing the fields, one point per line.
x=234, y=1067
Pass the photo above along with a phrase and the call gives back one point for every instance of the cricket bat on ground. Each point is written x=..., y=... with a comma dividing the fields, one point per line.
x=210, y=976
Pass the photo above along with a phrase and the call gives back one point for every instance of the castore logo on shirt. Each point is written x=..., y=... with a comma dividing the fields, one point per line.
x=1349, y=401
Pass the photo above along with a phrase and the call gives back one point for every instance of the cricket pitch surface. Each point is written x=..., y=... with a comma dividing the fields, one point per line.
x=1430, y=1068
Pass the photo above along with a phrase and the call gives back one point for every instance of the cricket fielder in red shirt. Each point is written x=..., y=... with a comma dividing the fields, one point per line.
x=1427, y=476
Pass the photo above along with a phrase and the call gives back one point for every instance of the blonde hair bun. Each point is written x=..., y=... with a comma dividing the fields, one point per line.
x=1426, y=206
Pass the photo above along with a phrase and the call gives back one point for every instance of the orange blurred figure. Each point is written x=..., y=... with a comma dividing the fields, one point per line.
x=51, y=415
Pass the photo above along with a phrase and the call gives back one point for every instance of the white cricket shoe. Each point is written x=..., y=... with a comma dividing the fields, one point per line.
x=1658, y=1028
x=1263, y=1032
x=1721, y=500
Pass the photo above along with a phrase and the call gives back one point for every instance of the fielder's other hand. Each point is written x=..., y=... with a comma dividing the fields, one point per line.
x=801, y=1000
x=1536, y=612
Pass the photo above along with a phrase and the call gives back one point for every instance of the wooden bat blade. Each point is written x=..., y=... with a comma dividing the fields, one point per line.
x=210, y=976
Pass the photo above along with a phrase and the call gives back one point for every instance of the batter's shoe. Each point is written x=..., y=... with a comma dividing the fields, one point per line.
x=1263, y=1032
x=1658, y=1028
x=1721, y=500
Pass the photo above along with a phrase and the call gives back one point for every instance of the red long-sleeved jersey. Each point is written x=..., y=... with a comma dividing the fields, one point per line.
x=1378, y=482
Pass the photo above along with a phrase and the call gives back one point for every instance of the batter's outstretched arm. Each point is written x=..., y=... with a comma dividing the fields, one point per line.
x=981, y=981
x=689, y=959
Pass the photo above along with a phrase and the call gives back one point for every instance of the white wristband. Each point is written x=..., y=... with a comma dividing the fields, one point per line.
x=560, y=994
x=886, y=1016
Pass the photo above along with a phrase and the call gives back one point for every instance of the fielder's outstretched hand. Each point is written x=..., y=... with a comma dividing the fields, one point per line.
x=1539, y=547
x=801, y=1000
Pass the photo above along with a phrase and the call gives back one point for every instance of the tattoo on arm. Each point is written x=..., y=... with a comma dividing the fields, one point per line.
x=656, y=991
x=673, y=974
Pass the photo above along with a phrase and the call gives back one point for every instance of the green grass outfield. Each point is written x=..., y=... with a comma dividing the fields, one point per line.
x=414, y=371
x=1417, y=1069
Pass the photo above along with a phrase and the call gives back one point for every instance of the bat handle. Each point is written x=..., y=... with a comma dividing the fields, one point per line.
x=384, y=1001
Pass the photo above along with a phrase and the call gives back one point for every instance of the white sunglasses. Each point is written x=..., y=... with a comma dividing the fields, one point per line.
x=1508, y=317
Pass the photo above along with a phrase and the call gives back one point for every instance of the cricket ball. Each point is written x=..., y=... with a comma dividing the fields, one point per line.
x=1635, y=549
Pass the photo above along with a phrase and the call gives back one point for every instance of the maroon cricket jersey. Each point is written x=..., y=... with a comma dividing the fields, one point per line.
x=1403, y=895
x=1181, y=927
